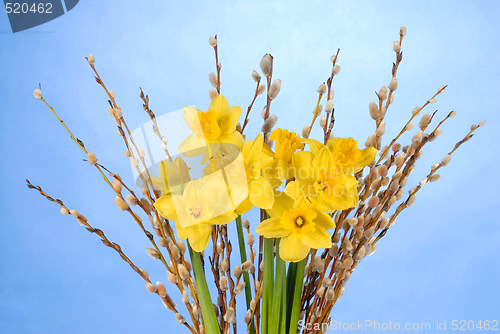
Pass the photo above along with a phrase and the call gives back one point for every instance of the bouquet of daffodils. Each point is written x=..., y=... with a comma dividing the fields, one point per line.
x=324, y=205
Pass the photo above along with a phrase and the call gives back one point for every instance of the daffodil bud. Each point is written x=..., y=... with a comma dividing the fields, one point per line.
x=91, y=59
x=393, y=85
x=256, y=76
x=37, y=93
x=212, y=41
x=265, y=65
x=274, y=89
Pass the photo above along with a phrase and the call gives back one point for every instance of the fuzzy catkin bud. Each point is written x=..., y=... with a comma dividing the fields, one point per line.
x=213, y=79
x=329, y=106
x=381, y=129
x=446, y=160
x=153, y=253
x=393, y=85
x=91, y=158
x=424, y=121
x=229, y=316
x=374, y=112
x=336, y=69
x=237, y=271
x=180, y=319
x=64, y=211
x=91, y=59
x=434, y=178
x=396, y=46
x=212, y=41
x=256, y=76
x=274, y=89
x=172, y=278
x=246, y=223
x=305, y=131
x=322, y=89
x=269, y=124
x=251, y=239
x=183, y=272
x=224, y=265
x=150, y=287
x=322, y=121
x=121, y=204
x=185, y=297
x=212, y=93
x=37, y=93
x=265, y=65
x=239, y=288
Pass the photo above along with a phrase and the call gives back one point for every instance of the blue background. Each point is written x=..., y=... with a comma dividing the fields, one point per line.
x=439, y=262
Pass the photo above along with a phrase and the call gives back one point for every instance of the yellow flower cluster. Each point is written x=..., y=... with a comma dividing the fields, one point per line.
x=243, y=174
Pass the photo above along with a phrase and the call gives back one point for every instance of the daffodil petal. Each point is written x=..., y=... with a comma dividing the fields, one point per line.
x=229, y=120
x=332, y=142
x=272, y=228
x=319, y=238
x=322, y=159
x=220, y=105
x=183, y=232
x=314, y=145
x=302, y=163
x=282, y=203
x=298, y=189
x=199, y=236
x=292, y=249
x=261, y=193
x=166, y=208
x=324, y=220
x=192, y=146
x=190, y=115
x=254, y=150
x=367, y=156
x=234, y=138
x=244, y=206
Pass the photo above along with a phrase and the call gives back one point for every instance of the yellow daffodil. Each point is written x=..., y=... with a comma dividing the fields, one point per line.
x=345, y=152
x=211, y=128
x=320, y=179
x=300, y=224
x=286, y=143
x=173, y=176
x=195, y=210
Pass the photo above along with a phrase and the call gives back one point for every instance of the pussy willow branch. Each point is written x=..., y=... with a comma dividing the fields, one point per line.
x=329, y=88
x=110, y=244
x=130, y=211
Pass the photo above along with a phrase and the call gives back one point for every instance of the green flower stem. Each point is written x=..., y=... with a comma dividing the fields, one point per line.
x=278, y=304
x=297, y=292
x=243, y=256
x=268, y=285
x=207, y=309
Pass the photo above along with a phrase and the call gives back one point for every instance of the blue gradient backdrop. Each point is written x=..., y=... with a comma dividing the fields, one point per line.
x=439, y=262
